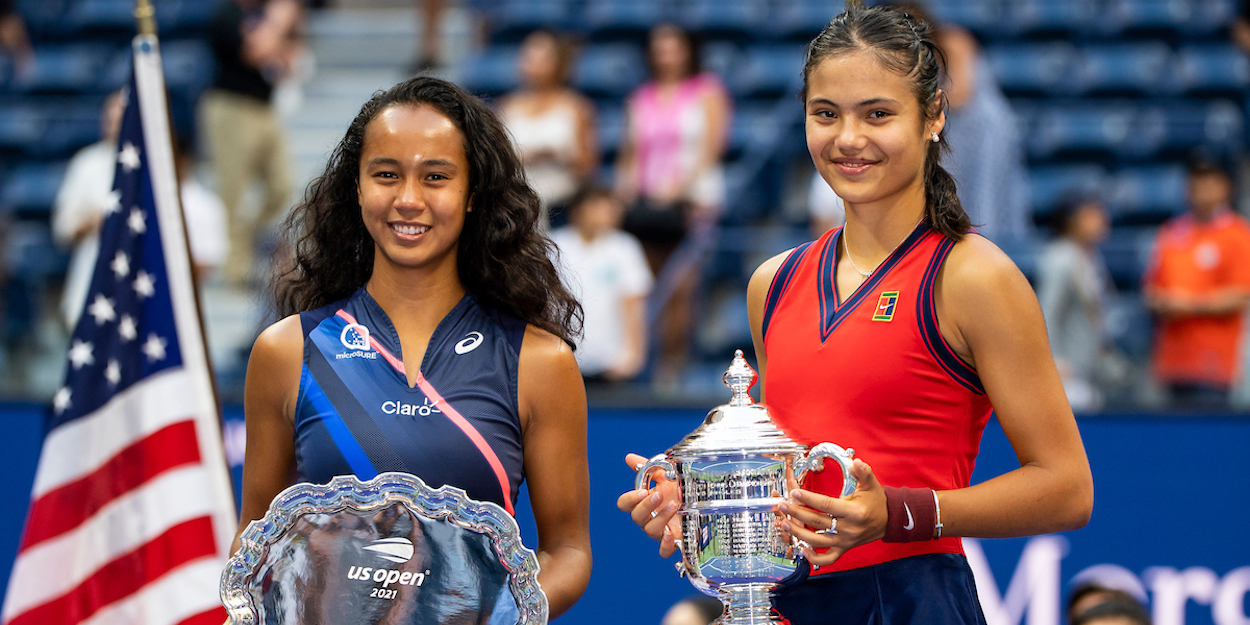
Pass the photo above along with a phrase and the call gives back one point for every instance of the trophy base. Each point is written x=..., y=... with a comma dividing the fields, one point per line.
x=747, y=604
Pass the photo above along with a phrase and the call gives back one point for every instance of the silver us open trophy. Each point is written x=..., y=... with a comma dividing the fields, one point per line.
x=389, y=551
x=732, y=473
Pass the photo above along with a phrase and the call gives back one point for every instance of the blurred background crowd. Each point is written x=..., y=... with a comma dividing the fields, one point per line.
x=1099, y=142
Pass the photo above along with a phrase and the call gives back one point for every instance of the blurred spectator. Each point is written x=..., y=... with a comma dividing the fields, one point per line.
x=1091, y=595
x=987, y=153
x=254, y=44
x=13, y=39
x=431, y=12
x=1114, y=612
x=1198, y=284
x=605, y=269
x=80, y=205
x=1073, y=286
x=204, y=213
x=553, y=126
x=825, y=209
x=693, y=610
x=669, y=172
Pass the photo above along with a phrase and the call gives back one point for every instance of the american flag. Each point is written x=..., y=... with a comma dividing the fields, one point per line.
x=132, y=513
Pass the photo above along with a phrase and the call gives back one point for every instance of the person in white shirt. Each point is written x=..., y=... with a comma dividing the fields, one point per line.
x=606, y=270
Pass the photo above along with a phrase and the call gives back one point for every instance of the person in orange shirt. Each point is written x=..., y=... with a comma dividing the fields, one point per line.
x=1198, y=284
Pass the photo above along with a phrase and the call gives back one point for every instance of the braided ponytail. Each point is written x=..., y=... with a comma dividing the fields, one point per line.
x=904, y=45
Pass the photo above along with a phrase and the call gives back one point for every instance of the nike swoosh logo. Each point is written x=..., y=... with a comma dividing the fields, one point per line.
x=911, y=523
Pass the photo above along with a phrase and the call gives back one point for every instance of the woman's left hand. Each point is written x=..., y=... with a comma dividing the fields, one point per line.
x=856, y=519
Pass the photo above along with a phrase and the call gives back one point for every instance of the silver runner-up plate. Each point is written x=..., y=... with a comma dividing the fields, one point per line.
x=389, y=551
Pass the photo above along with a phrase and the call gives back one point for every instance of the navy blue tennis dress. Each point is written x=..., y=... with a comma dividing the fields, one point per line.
x=458, y=426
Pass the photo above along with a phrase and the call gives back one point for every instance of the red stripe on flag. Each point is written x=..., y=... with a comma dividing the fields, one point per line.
x=127, y=574
x=215, y=616
x=65, y=508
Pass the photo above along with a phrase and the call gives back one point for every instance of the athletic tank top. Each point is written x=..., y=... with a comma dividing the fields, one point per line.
x=458, y=426
x=873, y=373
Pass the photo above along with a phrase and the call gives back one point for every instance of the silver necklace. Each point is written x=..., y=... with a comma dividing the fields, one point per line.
x=846, y=246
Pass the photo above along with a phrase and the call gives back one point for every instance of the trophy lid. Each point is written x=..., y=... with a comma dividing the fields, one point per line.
x=741, y=427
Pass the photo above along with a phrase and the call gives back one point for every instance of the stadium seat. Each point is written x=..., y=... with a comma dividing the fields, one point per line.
x=1081, y=128
x=799, y=20
x=1167, y=18
x=189, y=65
x=1214, y=126
x=769, y=71
x=1147, y=194
x=511, y=20
x=45, y=19
x=624, y=21
x=71, y=68
x=1218, y=69
x=1127, y=252
x=1053, y=18
x=721, y=58
x=1051, y=184
x=986, y=17
x=1032, y=69
x=611, y=125
x=724, y=19
x=102, y=17
x=1133, y=69
x=609, y=70
x=21, y=126
x=491, y=72
x=30, y=188
x=754, y=129
x=185, y=17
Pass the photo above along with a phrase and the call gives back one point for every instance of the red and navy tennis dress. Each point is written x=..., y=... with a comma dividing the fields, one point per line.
x=870, y=370
x=458, y=426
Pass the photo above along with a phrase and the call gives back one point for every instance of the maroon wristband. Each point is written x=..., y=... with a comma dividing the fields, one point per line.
x=912, y=514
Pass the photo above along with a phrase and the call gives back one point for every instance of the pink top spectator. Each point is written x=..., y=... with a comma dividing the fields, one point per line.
x=669, y=133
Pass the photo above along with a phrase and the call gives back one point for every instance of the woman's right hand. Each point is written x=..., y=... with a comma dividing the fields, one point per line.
x=655, y=509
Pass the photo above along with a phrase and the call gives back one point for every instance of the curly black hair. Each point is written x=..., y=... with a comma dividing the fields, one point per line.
x=504, y=257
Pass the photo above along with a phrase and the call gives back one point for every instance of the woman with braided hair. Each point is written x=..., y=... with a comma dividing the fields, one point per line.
x=898, y=334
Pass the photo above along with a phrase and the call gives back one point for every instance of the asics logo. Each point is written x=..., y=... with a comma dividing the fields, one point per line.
x=469, y=343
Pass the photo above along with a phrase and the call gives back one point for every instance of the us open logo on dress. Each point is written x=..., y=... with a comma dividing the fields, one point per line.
x=355, y=338
x=398, y=550
x=885, y=306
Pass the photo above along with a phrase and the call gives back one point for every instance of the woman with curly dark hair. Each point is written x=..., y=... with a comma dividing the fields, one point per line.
x=425, y=329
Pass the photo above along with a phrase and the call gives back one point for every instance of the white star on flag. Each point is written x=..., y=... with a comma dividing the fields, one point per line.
x=154, y=348
x=113, y=202
x=145, y=284
x=60, y=401
x=136, y=221
x=80, y=354
x=102, y=310
x=113, y=372
x=126, y=327
x=121, y=265
x=129, y=157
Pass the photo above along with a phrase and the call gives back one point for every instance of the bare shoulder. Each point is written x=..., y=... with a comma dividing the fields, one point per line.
x=273, y=370
x=762, y=279
x=549, y=381
x=281, y=342
x=544, y=349
x=976, y=268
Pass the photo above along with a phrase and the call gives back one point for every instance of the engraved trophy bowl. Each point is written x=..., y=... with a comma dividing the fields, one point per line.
x=389, y=551
x=731, y=472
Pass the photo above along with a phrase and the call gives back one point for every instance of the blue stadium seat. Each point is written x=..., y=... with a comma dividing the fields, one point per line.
x=611, y=126
x=511, y=20
x=1051, y=184
x=185, y=17
x=799, y=20
x=609, y=70
x=1217, y=69
x=1168, y=18
x=769, y=70
x=1034, y=69
x=45, y=19
x=21, y=125
x=30, y=188
x=492, y=72
x=71, y=68
x=754, y=129
x=1147, y=194
x=612, y=19
x=1081, y=128
x=189, y=65
x=1214, y=126
x=1056, y=18
x=1123, y=69
x=1127, y=251
x=986, y=17
x=102, y=17
x=721, y=58
x=725, y=19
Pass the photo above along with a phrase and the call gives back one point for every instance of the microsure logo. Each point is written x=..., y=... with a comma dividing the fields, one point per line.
x=355, y=338
x=397, y=550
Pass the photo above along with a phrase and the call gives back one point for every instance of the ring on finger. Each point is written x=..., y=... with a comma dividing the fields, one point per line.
x=654, y=514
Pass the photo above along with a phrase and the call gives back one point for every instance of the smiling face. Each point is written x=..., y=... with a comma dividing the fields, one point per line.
x=414, y=187
x=865, y=130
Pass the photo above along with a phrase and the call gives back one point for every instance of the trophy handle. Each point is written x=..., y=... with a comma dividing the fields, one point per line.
x=644, y=470
x=815, y=461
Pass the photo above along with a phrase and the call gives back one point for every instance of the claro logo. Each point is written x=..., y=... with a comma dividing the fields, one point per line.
x=397, y=550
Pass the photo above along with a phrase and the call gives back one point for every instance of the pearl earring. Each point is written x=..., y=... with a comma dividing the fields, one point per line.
x=935, y=136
